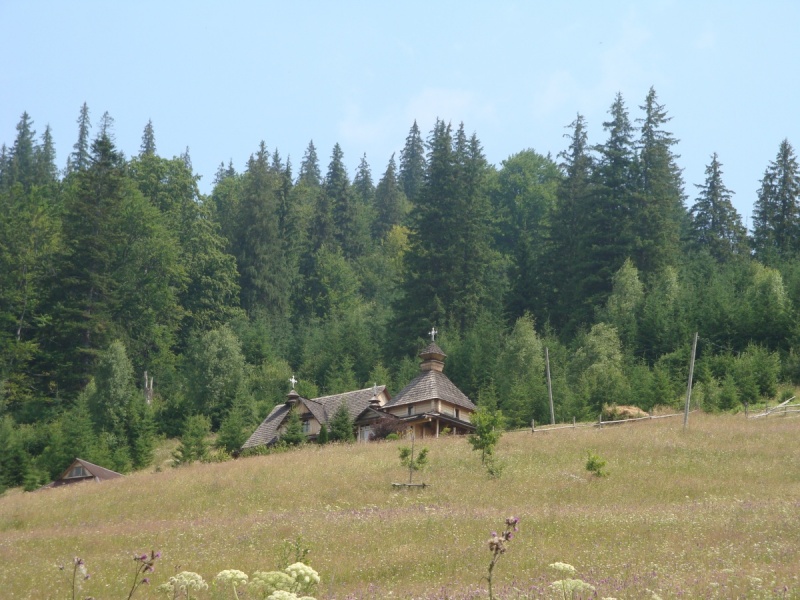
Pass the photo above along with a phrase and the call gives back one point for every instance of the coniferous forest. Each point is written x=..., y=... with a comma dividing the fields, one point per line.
x=133, y=307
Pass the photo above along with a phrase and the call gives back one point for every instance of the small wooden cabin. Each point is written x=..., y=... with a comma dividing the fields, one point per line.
x=82, y=470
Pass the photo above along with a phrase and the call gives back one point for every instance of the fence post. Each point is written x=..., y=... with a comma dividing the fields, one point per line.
x=573, y=422
x=549, y=386
x=746, y=414
x=600, y=420
x=689, y=385
x=533, y=426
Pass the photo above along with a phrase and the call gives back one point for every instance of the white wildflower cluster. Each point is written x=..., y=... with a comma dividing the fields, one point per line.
x=231, y=577
x=563, y=568
x=304, y=576
x=571, y=588
x=266, y=583
x=184, y=583
x=296, y=579
x=284, y=595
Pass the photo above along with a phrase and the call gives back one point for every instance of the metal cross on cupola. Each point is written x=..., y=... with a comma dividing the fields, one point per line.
x=293, y=381
x=433, y=333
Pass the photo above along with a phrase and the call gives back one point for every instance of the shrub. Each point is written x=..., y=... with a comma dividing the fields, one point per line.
x=595, y=465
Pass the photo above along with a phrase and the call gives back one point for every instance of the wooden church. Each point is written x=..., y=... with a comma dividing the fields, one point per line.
x=428, y=406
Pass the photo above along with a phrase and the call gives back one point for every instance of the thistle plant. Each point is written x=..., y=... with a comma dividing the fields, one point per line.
x=78, y=567
x=144, y=566
x=498, y=546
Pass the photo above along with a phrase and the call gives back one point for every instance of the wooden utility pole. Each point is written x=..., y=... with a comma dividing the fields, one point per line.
x=689, y=385
x=549, y=386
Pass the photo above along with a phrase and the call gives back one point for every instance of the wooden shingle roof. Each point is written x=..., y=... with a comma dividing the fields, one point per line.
x=267, y=432
x=431, y=385
x=323, y=409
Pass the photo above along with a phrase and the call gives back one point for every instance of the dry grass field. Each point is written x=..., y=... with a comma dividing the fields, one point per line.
x=709, y=512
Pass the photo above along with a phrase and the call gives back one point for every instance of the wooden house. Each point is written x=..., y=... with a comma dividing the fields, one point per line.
x=363, y=407
x=82, y=470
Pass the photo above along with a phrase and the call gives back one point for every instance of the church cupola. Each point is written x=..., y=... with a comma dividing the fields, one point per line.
x=432, y=356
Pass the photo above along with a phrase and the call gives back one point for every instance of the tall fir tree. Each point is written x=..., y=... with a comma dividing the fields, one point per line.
x=412, y=164
x=148, y=147
x=602, y=217
x=391, y=204
x=259, y=249
x=347, y=230
x=22, y=163
x=716, y=226
x=45, y=169
x=80, y=158
x=310, y=173
x=117, y=275
x=568, y=263
x=658, y=209
x=449, y=275
x=776, y=214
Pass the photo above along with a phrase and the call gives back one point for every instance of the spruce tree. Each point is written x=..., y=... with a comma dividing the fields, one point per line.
x=45, y=171
x=391, y=204
x=341, y=426
x=116, y=277
x=716, y=226
x=776, y=214
x=22, y=163
x=568, y=262
x=292, y=434
x=412, y=164
x=450, y=267
x=80, y=157
x=148, y=147
x=607, y=234
x=193, y=445
x=259, y=249
x=310, y=173
x=658, y=210
x=344, y=211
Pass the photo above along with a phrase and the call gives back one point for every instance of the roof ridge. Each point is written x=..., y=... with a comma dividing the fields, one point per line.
x=345, y=393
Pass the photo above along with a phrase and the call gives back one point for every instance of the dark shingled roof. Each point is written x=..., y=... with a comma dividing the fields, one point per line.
x=432, y=348
x=267, y=432
x=322, y=408
x=325, y=407
x=431, y=385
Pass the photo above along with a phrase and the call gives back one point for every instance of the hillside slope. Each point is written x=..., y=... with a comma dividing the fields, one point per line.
x=698, y=512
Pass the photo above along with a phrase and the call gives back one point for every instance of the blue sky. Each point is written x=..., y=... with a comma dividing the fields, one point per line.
x=220, y=77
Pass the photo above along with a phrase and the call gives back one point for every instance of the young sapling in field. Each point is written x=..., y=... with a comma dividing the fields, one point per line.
x=595, y=465
x=414, y=463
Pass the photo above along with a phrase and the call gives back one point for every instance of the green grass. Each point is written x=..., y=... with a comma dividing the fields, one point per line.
x=710, y=512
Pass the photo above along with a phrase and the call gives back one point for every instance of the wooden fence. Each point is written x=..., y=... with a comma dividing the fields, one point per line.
x=785, y=408
x=599, y=423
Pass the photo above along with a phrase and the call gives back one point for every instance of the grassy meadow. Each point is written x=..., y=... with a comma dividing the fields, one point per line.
x=713, y=511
